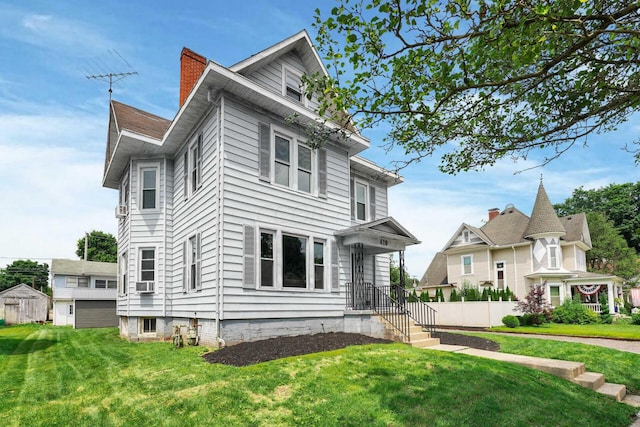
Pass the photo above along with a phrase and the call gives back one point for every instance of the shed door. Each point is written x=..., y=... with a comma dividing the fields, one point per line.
x=96, y=314
x=11, y=313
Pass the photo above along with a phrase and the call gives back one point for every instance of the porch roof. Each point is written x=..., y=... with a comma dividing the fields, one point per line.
x=582, y=277
x=379, y=236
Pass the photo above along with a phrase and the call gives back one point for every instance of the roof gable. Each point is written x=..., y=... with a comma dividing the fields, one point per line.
x=300, y=43
x=83, y=268
x=467, y=235
x=577, y=228
x=23, y=289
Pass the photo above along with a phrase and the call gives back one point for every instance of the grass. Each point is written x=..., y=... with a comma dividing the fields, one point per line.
x=616, y=330
x=60, y=376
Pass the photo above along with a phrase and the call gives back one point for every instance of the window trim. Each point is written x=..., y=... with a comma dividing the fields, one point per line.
x=462, y=257
x=150, y=332
x=356, y=183
x=274, y=251
x=155, y=263
x=504, y=273
x=278, y=259
x=141, y=169
x=286, y=87
x=194, y=263
x=558, y=261
x=323, y=265
x=123, y=273
x=295, y=143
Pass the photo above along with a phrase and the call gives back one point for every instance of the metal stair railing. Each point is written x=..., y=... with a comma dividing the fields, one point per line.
x=392, y=304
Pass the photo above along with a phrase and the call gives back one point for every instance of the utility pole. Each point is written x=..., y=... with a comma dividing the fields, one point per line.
x=86, y=245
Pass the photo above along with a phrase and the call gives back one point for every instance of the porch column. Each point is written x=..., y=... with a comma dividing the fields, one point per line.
x=401, y=265
x=612, y=309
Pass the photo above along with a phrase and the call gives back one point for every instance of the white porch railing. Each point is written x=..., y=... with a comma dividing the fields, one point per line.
x=593, y=306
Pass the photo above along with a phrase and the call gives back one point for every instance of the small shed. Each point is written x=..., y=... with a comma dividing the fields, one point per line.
x=23, y=304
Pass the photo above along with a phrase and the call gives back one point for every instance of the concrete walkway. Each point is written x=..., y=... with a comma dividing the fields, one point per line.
x=621, y=345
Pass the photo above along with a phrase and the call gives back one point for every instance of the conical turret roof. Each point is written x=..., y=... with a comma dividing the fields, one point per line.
x=544, y=220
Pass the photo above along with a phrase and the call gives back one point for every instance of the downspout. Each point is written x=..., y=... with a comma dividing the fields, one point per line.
x=129, y=241
x=515, y=270
x=220, y=290
x=164, y=208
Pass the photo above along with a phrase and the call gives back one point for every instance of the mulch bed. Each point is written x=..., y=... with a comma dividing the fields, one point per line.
x=249, y=353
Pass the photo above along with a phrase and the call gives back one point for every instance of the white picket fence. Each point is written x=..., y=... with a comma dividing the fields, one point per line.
x=481, y=314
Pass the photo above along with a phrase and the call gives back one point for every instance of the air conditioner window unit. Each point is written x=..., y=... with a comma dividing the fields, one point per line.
x=144, y=287
x=121, y=211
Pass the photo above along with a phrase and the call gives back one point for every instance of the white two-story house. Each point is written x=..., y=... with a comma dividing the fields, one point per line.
x=516, y=251
x=228, y=219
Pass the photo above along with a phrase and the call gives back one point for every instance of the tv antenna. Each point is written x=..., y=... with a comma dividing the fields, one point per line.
x=107, y=76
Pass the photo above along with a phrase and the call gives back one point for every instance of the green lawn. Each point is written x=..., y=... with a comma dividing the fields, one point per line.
x=60, y=376
x=617, y=330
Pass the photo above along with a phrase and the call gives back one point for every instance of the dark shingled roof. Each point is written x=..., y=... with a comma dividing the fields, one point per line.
x=575, y=225
x=507, y=228
x=139, y=121
x=436, y=274
x=544, y=219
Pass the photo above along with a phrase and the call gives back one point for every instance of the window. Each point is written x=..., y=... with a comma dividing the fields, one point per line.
x=304, y=168
x=266, y=259
x=196, y=164
x=361, y=201
x=292, y=84
x=581, y=260
x=465, y=236
x=554, y=292
x=123, y=273
x=185, y=174
x=318, y=264
x=105, y=284
x=282, y=159
x=500, y=281
x=467, y=264
x=124, y=192
x=554, y=262
x=149, y=186
x=147, y=265
x=76, y=282
x=148, y=325
x=194, y=262
x=294, y=261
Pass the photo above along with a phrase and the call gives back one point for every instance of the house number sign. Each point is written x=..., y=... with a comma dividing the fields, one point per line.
x=384, y=242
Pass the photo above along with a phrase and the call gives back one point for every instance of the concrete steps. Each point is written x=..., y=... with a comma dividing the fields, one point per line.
x=572, y=371
x=417, y=337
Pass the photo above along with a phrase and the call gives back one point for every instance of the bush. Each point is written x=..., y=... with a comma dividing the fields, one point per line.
x=605, y=316
x=526, y=320
x=510, y=321
x=635, y=319
x=573, y=312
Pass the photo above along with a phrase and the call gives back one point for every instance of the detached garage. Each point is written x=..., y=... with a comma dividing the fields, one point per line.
x=23, y=304
x=84, y=293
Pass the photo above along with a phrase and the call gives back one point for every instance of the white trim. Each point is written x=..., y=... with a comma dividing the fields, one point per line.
x=139, y=264
x=142, y=167
x=356, y=182
x=558, y=257
x=504, y=273
x=462, y=257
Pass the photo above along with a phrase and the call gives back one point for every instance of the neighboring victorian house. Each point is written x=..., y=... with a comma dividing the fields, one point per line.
x=516, y=251
x=228, y=219
x=84, y=293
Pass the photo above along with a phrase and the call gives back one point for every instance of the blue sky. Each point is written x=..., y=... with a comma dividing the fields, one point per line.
x=53, y=120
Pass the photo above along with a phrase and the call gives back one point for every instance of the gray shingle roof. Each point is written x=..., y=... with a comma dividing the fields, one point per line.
x=576, y=227
x=436, y=274
x=507, y=228
x=73, y=267
x=544, y=219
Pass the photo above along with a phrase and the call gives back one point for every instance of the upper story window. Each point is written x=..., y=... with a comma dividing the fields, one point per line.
x=361, y=201
x=105, y=284
x=76, y=282
x=282, y=160
x=465, y=236
x=192, y=167
x=149, y=187
x=467, y=264
x=581, y=260
x=554, y=256
x=122, y=268
x=124, y=191
x=292, y=85
x=286, y=160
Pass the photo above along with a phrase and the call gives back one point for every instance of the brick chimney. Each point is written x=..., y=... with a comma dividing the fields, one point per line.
x=191, y=67
x=493, y=212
